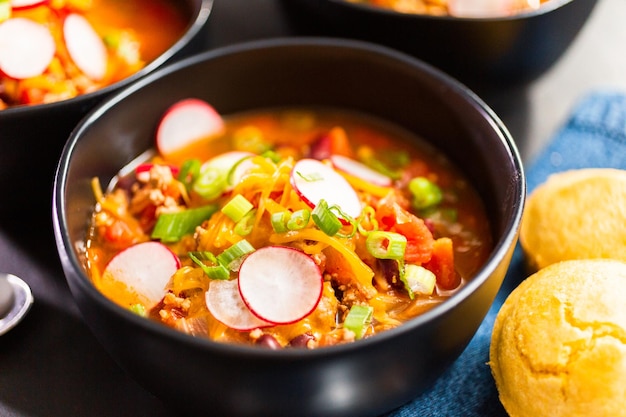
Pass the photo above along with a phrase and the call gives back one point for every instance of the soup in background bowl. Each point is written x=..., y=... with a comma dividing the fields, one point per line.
x=367, y=377
x=32, y=136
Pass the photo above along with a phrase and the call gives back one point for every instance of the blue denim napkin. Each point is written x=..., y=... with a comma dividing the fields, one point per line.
x=594, y=136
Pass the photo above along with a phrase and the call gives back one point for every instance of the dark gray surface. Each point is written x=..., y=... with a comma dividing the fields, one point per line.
x=51, y=365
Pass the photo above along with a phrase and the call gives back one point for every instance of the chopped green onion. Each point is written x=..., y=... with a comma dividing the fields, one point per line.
x=425, y=193
x=279, y=221
x=189, y=171
x=417, y=279
x=5, y=10
x=313, y=176
x=139, y=309
x=237, y=208
x=230, y=257
x=358, y=319
x=299, y=219
x=388, y=163
x=245, y=225
x=272, y=156
x=326, y=219
x=336, y=210
x=171, y=227
x=211, y=182
x=214, y=271
x=368, y=214
x=385, y=245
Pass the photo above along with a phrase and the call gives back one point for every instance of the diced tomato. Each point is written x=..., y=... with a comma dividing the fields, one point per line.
x=147, y=218
x=442, y=264
x=392, y=217
x=120, y=234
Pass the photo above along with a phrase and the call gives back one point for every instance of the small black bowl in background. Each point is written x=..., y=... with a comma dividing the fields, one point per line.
x=32, y=137
x=365, y=378
x=484, y=53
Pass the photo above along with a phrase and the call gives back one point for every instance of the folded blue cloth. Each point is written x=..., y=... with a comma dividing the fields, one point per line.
x=594, y=136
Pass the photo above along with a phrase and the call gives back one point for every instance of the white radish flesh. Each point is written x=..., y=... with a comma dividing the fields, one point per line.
x=85, y=46
x=280, y=284
x=145, y=268
x=26, y=48
x=186, y=122
x=360, y=170
x=225, y=304
x=480, y=8
x=315, y=181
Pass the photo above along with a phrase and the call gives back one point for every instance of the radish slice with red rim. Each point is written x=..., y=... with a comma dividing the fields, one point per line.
x=26, y=48
x=23, y=4
x=280, y=284
x=225, y=304
x=360, y=170
x=145, y=268
x=85, y=46
x=186, y=122
x=481, y=8
x=315, y=181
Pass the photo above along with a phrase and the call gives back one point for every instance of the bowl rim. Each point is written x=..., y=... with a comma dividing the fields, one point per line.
x=501, y=247
x=194, y=27
x=546, y=8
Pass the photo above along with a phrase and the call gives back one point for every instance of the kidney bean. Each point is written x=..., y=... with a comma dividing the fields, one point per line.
x=268, y=341
x=301, y=341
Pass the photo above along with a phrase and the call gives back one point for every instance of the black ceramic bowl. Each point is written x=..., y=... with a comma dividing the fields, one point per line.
x=32, y=137
x=364, y=378
x=481, y=52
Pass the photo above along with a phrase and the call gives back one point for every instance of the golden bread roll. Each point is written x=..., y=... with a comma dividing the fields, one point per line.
x=558, y=346
x=576, y=214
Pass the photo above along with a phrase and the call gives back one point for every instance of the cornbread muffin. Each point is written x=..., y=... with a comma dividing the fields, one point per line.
x=558, y=346
x=576, y=214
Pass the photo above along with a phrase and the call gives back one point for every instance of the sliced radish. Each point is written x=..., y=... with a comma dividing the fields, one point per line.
x=240, y=170
x=85, y=46
x=480, y=8
x=360, y=170
x=315, y=181
x=224, y=302
x=26, y=48
x=186, y=122
x=22, y=4
x=280, y=284
x=233, y=164
x=146, y=268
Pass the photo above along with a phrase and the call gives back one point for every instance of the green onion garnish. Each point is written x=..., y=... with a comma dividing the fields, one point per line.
x=5, y=10
x=299, y=219
x=211, y=182
x=189, y=171
x=425, y=193
x=385, y=245
x=325, y=219
x=279, y=221
x=139, y=309
x=214, y=271
x=237, y=208
x=230, y=256
x=357, y=319
x=171, y=227
x=417, y=279
x=313, y=176
x=245, y=225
